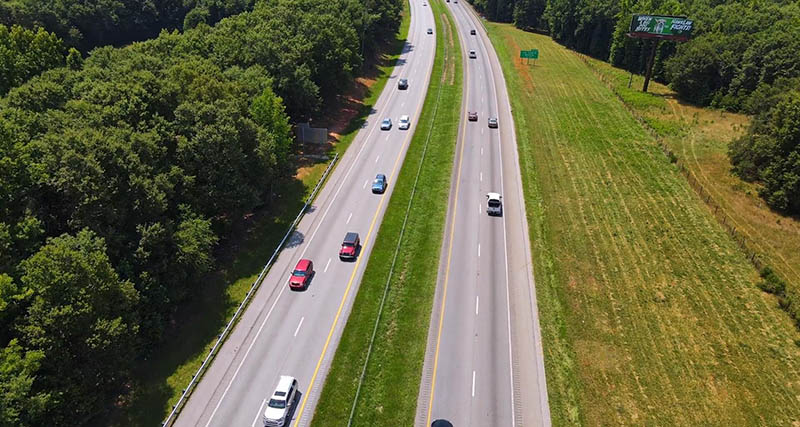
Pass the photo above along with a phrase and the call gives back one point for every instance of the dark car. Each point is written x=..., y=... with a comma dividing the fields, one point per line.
x=472, y=32
x=472, y=116
x=302, y=274
x=402, y=84
x=493, y=122
x=350, y=246
x=430, y=30
x=379, y=185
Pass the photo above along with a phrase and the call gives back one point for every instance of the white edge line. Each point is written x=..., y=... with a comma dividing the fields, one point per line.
x=322, y=220
x=283, y=288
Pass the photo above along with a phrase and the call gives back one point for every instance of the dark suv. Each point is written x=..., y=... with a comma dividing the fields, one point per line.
x=402, y=84
x=350, y=246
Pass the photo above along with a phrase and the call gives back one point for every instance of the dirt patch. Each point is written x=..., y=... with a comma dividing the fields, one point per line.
x=522, y=69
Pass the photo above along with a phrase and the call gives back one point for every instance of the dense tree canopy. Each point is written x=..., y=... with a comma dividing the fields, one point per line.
x=25, y=53
x=120, y=172
x=770, y=152
x=87, y=24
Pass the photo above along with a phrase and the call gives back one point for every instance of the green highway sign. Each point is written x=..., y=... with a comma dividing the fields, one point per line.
x=529, y=54
x=661, y=27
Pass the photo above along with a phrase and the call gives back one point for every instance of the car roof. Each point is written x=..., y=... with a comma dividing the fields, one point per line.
x=493, y=196
x=403, y=80
x=350, y=236
x=404, y=117
x=387, y=119
x=302, y=264
x=380, y=176
x=284, y=384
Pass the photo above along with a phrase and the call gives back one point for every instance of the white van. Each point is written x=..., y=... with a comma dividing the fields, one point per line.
x=281, y=402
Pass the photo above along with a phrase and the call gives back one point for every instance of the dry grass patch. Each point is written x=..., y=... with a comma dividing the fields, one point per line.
x=649, y=310
x=700, y=138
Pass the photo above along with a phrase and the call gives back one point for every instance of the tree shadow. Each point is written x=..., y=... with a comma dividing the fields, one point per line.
x=199, y=320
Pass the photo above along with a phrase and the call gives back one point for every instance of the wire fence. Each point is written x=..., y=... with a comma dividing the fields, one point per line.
x=788, y=299
x=253, y=288
x=728, y=223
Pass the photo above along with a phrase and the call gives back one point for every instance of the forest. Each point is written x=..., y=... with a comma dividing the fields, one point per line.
x=127, y=157
x=743, y=57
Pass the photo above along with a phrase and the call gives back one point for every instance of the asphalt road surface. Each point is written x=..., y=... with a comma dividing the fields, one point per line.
x=284, y=332
x=484, y=363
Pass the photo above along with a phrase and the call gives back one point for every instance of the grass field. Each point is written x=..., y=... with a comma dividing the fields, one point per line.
x=389, y=393
x=161, y=380
x=649, y=311
x=700, y=138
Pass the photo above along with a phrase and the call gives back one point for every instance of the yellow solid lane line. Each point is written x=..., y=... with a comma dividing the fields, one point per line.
x=353, y=275
x=450, y=245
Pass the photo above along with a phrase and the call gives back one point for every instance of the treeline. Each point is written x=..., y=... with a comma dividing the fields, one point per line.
x=770, y=151
x=739, y=48
x=122, y=172
x=87, y=24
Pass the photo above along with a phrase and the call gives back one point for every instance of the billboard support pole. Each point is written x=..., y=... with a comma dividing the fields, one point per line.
x=650, y=63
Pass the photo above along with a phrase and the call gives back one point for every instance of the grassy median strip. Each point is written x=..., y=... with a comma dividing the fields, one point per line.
x=649, y=310
x=161, y=380
x=388, y=395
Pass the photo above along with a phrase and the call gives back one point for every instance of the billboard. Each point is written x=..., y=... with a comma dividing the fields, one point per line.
x=661, y=27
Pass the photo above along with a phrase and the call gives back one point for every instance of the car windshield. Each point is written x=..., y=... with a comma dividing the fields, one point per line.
x=277, y=403
x=299, y=273
x=386, y=121
x=348, y=244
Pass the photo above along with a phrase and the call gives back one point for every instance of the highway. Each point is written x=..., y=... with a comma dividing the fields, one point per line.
x=484, y=363
x=285, y=332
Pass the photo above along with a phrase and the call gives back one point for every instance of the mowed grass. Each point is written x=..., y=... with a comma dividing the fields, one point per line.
x=160, y=380
x=389, y=393
x=700, y=137
x=649, y=311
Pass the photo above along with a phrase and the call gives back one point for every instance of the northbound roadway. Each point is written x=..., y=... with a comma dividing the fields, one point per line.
x=484, y=363
x=284, y=332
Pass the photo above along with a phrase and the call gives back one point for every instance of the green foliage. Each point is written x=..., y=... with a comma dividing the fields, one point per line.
x=771, y=282
x=19, y=404
x=82, y=318
x=770, y=153
x=740, y=49
x=142, y=159
x=25, y=53
x=86, y=25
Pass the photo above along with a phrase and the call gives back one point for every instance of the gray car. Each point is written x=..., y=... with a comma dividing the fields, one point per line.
x=386, y=124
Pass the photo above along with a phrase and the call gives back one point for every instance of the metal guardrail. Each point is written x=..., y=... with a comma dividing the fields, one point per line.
x=221, y=339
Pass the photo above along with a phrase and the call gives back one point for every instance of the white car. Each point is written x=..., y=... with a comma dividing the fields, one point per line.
x=281, y=402
x=404, y=123
x=494, y=206
x=472, y=54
